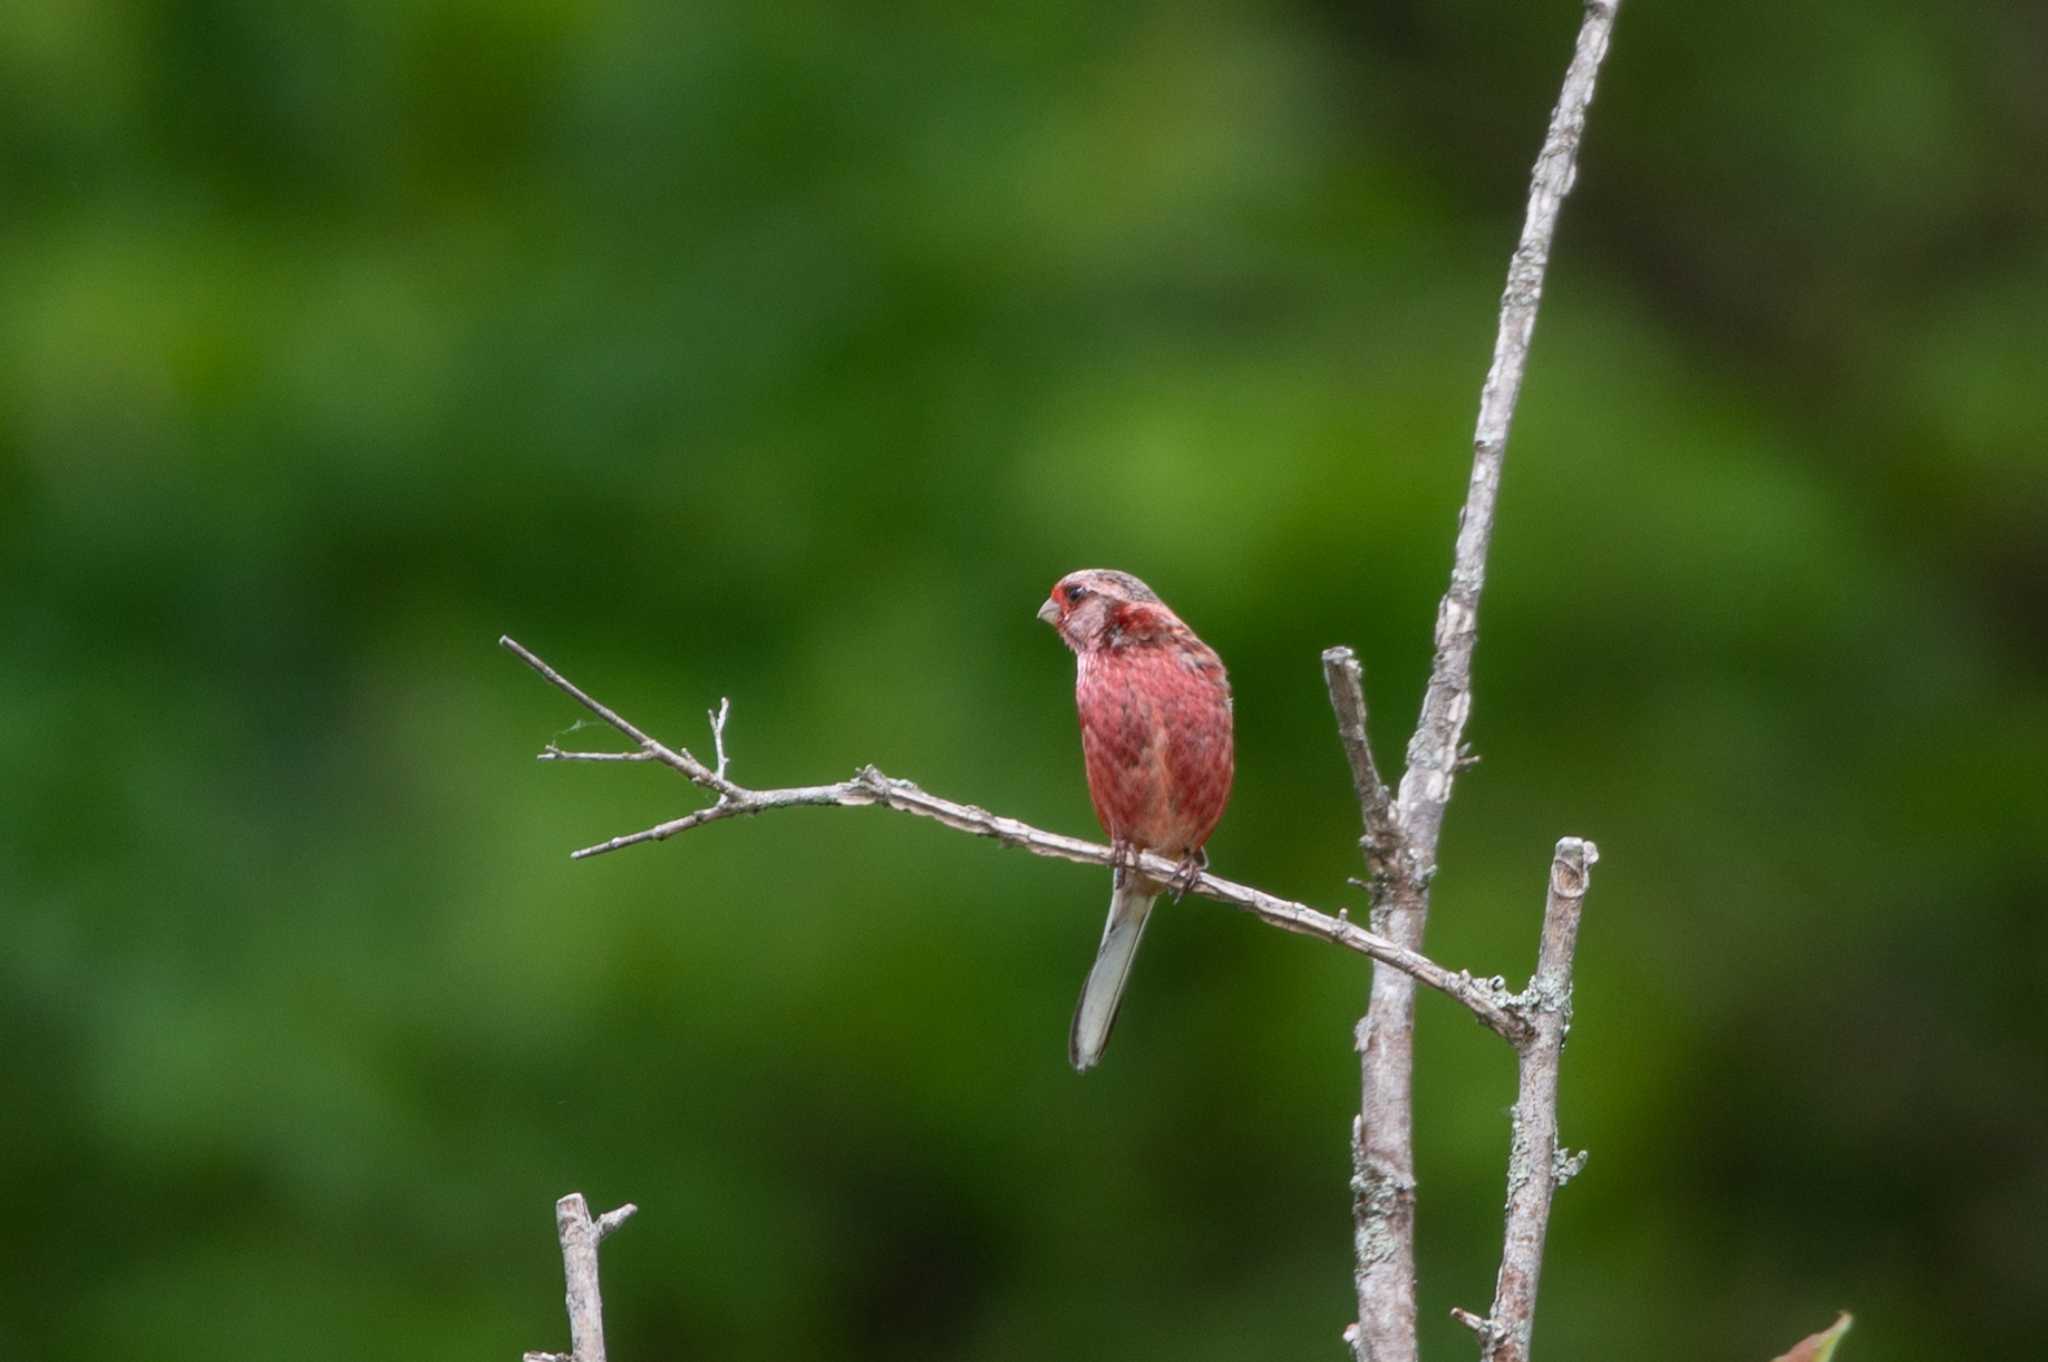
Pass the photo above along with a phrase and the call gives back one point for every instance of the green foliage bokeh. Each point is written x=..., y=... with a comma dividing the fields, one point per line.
x=789, y=352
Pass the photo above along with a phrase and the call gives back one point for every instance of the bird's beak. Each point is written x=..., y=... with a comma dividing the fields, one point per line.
x=1050, y=611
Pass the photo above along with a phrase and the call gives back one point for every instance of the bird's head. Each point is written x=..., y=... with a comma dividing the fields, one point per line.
x=1099, y=608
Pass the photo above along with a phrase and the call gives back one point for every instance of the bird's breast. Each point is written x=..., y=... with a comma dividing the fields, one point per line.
x=1156, y=738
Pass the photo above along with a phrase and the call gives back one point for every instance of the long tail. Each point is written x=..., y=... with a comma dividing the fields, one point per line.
x=1129, y=906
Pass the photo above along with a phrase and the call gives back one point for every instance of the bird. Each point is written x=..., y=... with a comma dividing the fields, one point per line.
x=1155, y=710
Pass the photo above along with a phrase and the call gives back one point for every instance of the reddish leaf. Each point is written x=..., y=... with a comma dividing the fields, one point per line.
x=1821, y=1346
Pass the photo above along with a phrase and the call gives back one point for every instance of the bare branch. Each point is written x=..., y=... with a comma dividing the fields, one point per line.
x=1384, y=1153
x=580, y=1236
x=1382, y=839
x=1537, y=1166
x=870, y=788
x=661, y=832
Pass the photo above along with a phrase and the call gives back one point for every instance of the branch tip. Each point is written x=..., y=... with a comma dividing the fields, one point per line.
x=610, y=1221
x=1478, y=1324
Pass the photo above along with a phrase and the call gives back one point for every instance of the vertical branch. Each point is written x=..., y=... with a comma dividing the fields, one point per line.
x=1537, y=1165
x=1383, y=1152
x=580, y=1236
x=1383, y=1147
x=1433, y=751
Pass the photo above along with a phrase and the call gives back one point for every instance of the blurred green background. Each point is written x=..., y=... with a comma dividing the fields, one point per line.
x=789, y=352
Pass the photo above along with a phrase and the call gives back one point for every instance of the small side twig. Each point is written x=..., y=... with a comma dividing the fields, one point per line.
x=580, y=1236
x=609, y=1222
x=555, y=752
x=718, y=717
x=1382, y=836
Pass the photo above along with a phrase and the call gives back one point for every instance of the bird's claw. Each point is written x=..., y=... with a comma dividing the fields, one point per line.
x=1189, y=873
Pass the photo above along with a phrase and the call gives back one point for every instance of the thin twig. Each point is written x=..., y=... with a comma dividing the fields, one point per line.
x=1382, y=837
x=580, y=1236
x=870, y=788
x=1537, y=1166
x=679, y=757
x=718, y=717
x=1384, y=1155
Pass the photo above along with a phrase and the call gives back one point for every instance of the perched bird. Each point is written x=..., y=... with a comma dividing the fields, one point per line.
x=1155, y=736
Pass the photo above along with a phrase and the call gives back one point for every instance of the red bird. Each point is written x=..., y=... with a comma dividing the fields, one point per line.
x=1155, y=735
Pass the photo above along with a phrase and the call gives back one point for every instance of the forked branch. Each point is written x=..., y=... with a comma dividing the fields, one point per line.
x=1401, y=842
x=580, y=1236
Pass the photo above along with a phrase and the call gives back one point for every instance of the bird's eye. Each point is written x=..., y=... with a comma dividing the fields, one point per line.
x=1075, y=593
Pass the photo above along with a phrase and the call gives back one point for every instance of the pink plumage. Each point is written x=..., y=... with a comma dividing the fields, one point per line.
x=1154, y=704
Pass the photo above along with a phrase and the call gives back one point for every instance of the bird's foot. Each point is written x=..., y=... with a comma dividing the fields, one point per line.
x=1191, y=867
